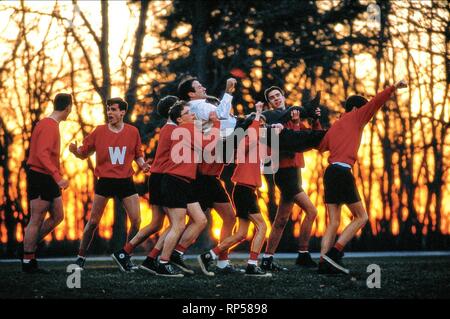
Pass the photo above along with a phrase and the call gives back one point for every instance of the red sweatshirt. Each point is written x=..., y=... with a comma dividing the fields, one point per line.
x=288, y=159
x=248, y=170
x=186, y=138
x=211, y=169
x=115, y=151
x=45, y=148
x=344, y=136
x=162, y=155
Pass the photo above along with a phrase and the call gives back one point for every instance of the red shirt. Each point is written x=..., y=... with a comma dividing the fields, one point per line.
x=45, y=147
x=290, y=159
x=162, y=155
x=209, y=166
x=344, y=136
x=186, y=145
x=212, y=169
x=248, y=170
x=115, y=151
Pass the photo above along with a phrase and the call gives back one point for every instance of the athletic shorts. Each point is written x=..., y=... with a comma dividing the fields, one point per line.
x=289, y=182
x=177, y=192
x=42, y=185
x=340, y=187
x=245, y=201
x=115, y=187
x=154, y=189
x=209, y=190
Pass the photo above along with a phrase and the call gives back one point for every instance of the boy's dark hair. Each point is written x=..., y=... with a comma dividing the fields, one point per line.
x=165, y=104
x=185, y=87
x=272, y=88
x=62, y=101
x=123, y=106
x=212, y=100
x=354, y=101
x=176, y=110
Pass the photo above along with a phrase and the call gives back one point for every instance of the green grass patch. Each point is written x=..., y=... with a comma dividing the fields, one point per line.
x=401, y=277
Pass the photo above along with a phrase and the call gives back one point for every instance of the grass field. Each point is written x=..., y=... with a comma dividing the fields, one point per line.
x=401, y=277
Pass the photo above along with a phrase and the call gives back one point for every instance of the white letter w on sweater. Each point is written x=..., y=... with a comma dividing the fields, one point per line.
x=116, y=155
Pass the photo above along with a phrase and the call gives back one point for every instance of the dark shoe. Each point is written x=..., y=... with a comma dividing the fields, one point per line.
x=150, y=265
x=205, y=260
x=230, y=269
x=333, y=257
x=122, y=260
x=325, y=269
x=304, y=260
x=32, y=268
x=167, y=270
x=341, y=255
x=80, y=262
x=268, y=264
x=178, y=260
x=131, y=265
x=255, y=271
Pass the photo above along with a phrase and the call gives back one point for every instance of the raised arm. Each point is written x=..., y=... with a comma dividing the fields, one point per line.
x=224, y=108
x=366, y=112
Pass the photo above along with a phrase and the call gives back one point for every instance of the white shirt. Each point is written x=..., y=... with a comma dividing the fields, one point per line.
x=201, y=109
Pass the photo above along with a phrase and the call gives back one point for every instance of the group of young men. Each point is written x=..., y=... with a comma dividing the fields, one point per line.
x=201, y=135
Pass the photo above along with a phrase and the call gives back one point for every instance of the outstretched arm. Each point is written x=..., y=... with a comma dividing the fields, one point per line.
x=74, y=149
x=87, y=148
x=365, y=113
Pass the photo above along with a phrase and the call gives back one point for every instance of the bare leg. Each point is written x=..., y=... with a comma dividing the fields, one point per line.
x=226, y=212
x=236, y=238
x=98, y=206
x=177, y=219
x=281, y=219
x=358, y=222
x=155, y=225
x=55, y=218
x=334, y=213
x=160, y=243
x=307, y=206
x=38, y=209
x=260, y=234
x=196, y=225
x=131, y=205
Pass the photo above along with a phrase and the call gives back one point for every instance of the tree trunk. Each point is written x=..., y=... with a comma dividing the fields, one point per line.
x=104, y=55
x=130, y=95
x=10, y=221
x=199, y=46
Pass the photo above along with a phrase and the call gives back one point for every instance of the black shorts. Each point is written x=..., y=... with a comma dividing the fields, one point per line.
x=115, y=187
x=209, y=190
x=154, y=189
x=42, y=185
x=289, y=182
x=340, y=187
x=245, y=201
x=177, y=192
